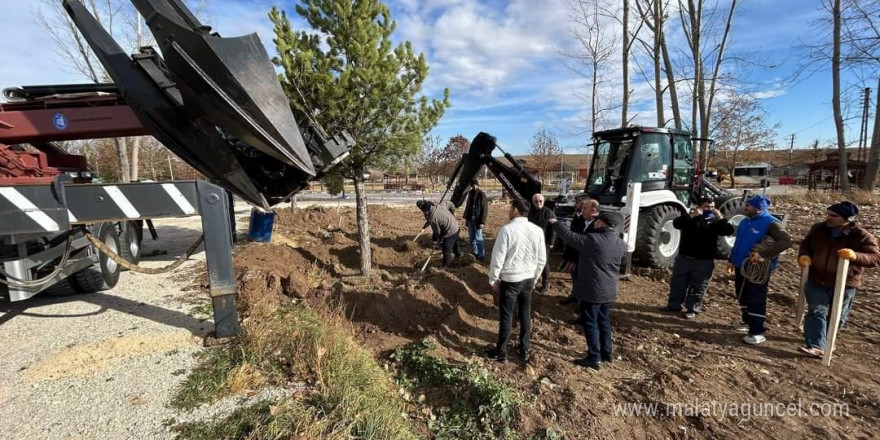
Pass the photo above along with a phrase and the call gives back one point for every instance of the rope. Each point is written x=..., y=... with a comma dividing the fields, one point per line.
x=757, y=272
x=17, y=283
x=134, y=267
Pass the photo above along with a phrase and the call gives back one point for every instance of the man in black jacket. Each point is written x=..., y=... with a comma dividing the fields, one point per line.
x=601, y=254
x=586, y=212
x=540, y=216
x=695, y=262
x=476, y=208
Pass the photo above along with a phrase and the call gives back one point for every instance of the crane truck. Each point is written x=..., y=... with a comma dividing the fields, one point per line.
x=214, y=101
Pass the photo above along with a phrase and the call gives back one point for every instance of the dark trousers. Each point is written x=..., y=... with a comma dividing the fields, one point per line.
x=596, y=319
x=545, y=278
x=515, y=295
x=690, y=280
x=753, y=303
x=450, y=249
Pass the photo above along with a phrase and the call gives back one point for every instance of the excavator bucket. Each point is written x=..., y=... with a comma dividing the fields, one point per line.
x=215, y=102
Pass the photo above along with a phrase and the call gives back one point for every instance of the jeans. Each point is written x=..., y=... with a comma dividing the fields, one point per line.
x=848, y=299
x=515, y=295
x=753, y=303
x=690, y=280
x=475, y=236
x=819, y=308
x=596, y=319
x=450, y=249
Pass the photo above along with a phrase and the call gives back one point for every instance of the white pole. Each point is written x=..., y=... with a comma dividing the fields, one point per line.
x=836, y=308
x=802, y=299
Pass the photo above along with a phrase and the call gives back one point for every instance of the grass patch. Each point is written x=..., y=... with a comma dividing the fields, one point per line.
x=349, y=394
x=474, y=404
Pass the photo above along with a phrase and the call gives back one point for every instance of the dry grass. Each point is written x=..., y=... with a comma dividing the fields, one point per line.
x=353, y=396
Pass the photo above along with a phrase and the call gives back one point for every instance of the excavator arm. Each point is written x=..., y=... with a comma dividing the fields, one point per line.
x=515, y=179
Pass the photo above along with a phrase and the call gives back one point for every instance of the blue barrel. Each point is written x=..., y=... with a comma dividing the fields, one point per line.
x=261, y=225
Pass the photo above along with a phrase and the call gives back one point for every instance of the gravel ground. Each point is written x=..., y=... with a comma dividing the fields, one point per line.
x=105, y=365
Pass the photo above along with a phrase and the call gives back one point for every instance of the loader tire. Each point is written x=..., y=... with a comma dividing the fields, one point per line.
x=104, y=274
x=657, y=240
x=732, y=210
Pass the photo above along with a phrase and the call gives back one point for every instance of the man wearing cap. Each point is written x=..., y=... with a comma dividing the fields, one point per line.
x=475, y=211
x=444, y=227
x=540, y=216
x=582, y=223
x=600, y=255
x=753, y=248
x=839, y=236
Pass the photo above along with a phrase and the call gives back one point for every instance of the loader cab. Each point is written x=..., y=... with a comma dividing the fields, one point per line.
x=660, y=159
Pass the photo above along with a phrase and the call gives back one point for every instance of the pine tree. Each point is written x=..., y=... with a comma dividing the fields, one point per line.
x=345, y=73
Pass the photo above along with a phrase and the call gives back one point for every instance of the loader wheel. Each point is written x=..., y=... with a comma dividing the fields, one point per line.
x=657, y=240
x=130, y=237
x=104, y=274
x=732, y=210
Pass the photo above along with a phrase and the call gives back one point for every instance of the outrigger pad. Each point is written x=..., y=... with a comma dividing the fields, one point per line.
x=216, y=102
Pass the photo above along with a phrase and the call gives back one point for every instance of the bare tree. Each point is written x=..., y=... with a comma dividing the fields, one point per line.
x=707, y=46
x=873, y=168
x=741, y=127
x=545, y=151
x=652, y=14
x=835, y=94
x=596, y=46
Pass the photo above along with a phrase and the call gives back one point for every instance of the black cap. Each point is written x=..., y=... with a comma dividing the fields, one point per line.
x=608, y=219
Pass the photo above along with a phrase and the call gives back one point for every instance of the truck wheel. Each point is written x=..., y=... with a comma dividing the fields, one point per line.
x=657, y=240
x=732, y=210
x=130, y=238
x=104, y=274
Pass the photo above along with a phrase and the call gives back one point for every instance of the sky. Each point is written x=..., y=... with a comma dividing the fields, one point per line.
x=505, y=66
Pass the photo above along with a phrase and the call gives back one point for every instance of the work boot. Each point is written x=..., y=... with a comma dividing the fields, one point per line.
x=587, y=363
x=495, y=355
x=607, y=358
x=525, y=357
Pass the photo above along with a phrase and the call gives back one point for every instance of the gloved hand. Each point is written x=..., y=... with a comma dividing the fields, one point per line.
x=756, y=258
x=847, y=254
x=731, y=269
x=804, y=261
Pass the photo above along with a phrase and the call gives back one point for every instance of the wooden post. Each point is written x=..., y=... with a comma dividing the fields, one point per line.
x=802, y=299
x=836, y=308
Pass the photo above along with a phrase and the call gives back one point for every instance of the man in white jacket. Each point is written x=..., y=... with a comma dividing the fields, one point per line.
x=518, y=257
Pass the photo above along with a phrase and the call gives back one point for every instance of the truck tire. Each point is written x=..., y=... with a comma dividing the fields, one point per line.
x=732, y=210
x=130, y=238
x=657, y=240
x=104, y=274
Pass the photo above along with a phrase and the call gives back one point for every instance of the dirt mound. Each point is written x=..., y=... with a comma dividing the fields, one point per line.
x=660, y=358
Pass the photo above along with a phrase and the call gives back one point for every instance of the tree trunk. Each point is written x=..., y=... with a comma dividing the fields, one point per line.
x=135, y=160
x=670, y=77
x=624, y=119
x=835, y=98
x=594, y=100
x=873, y=168
x=122, y=163
x=363, y=222
x=658, y=86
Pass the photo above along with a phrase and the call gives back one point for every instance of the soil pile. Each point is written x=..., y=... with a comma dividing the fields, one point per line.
x=660, y=358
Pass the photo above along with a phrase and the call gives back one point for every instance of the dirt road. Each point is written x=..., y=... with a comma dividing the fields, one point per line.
x=104, y=365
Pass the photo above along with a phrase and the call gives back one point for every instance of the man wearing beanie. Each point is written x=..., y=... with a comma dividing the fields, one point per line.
x=444, y=228
x=837, y=237
x=751, y=248
x=600, y=255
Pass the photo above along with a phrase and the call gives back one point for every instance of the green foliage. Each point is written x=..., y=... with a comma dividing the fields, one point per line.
x=481, y=407
x=334, y=182
x=346, y=74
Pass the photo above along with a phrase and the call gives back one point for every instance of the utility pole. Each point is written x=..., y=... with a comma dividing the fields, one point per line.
x=863, y=132
x=790, y=148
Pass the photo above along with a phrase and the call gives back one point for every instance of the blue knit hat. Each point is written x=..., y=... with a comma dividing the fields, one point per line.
x=845, y=209
x=760, y=203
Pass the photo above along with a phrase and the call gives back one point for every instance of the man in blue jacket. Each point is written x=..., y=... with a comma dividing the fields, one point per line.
x=600, y=255
x=753, y=248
